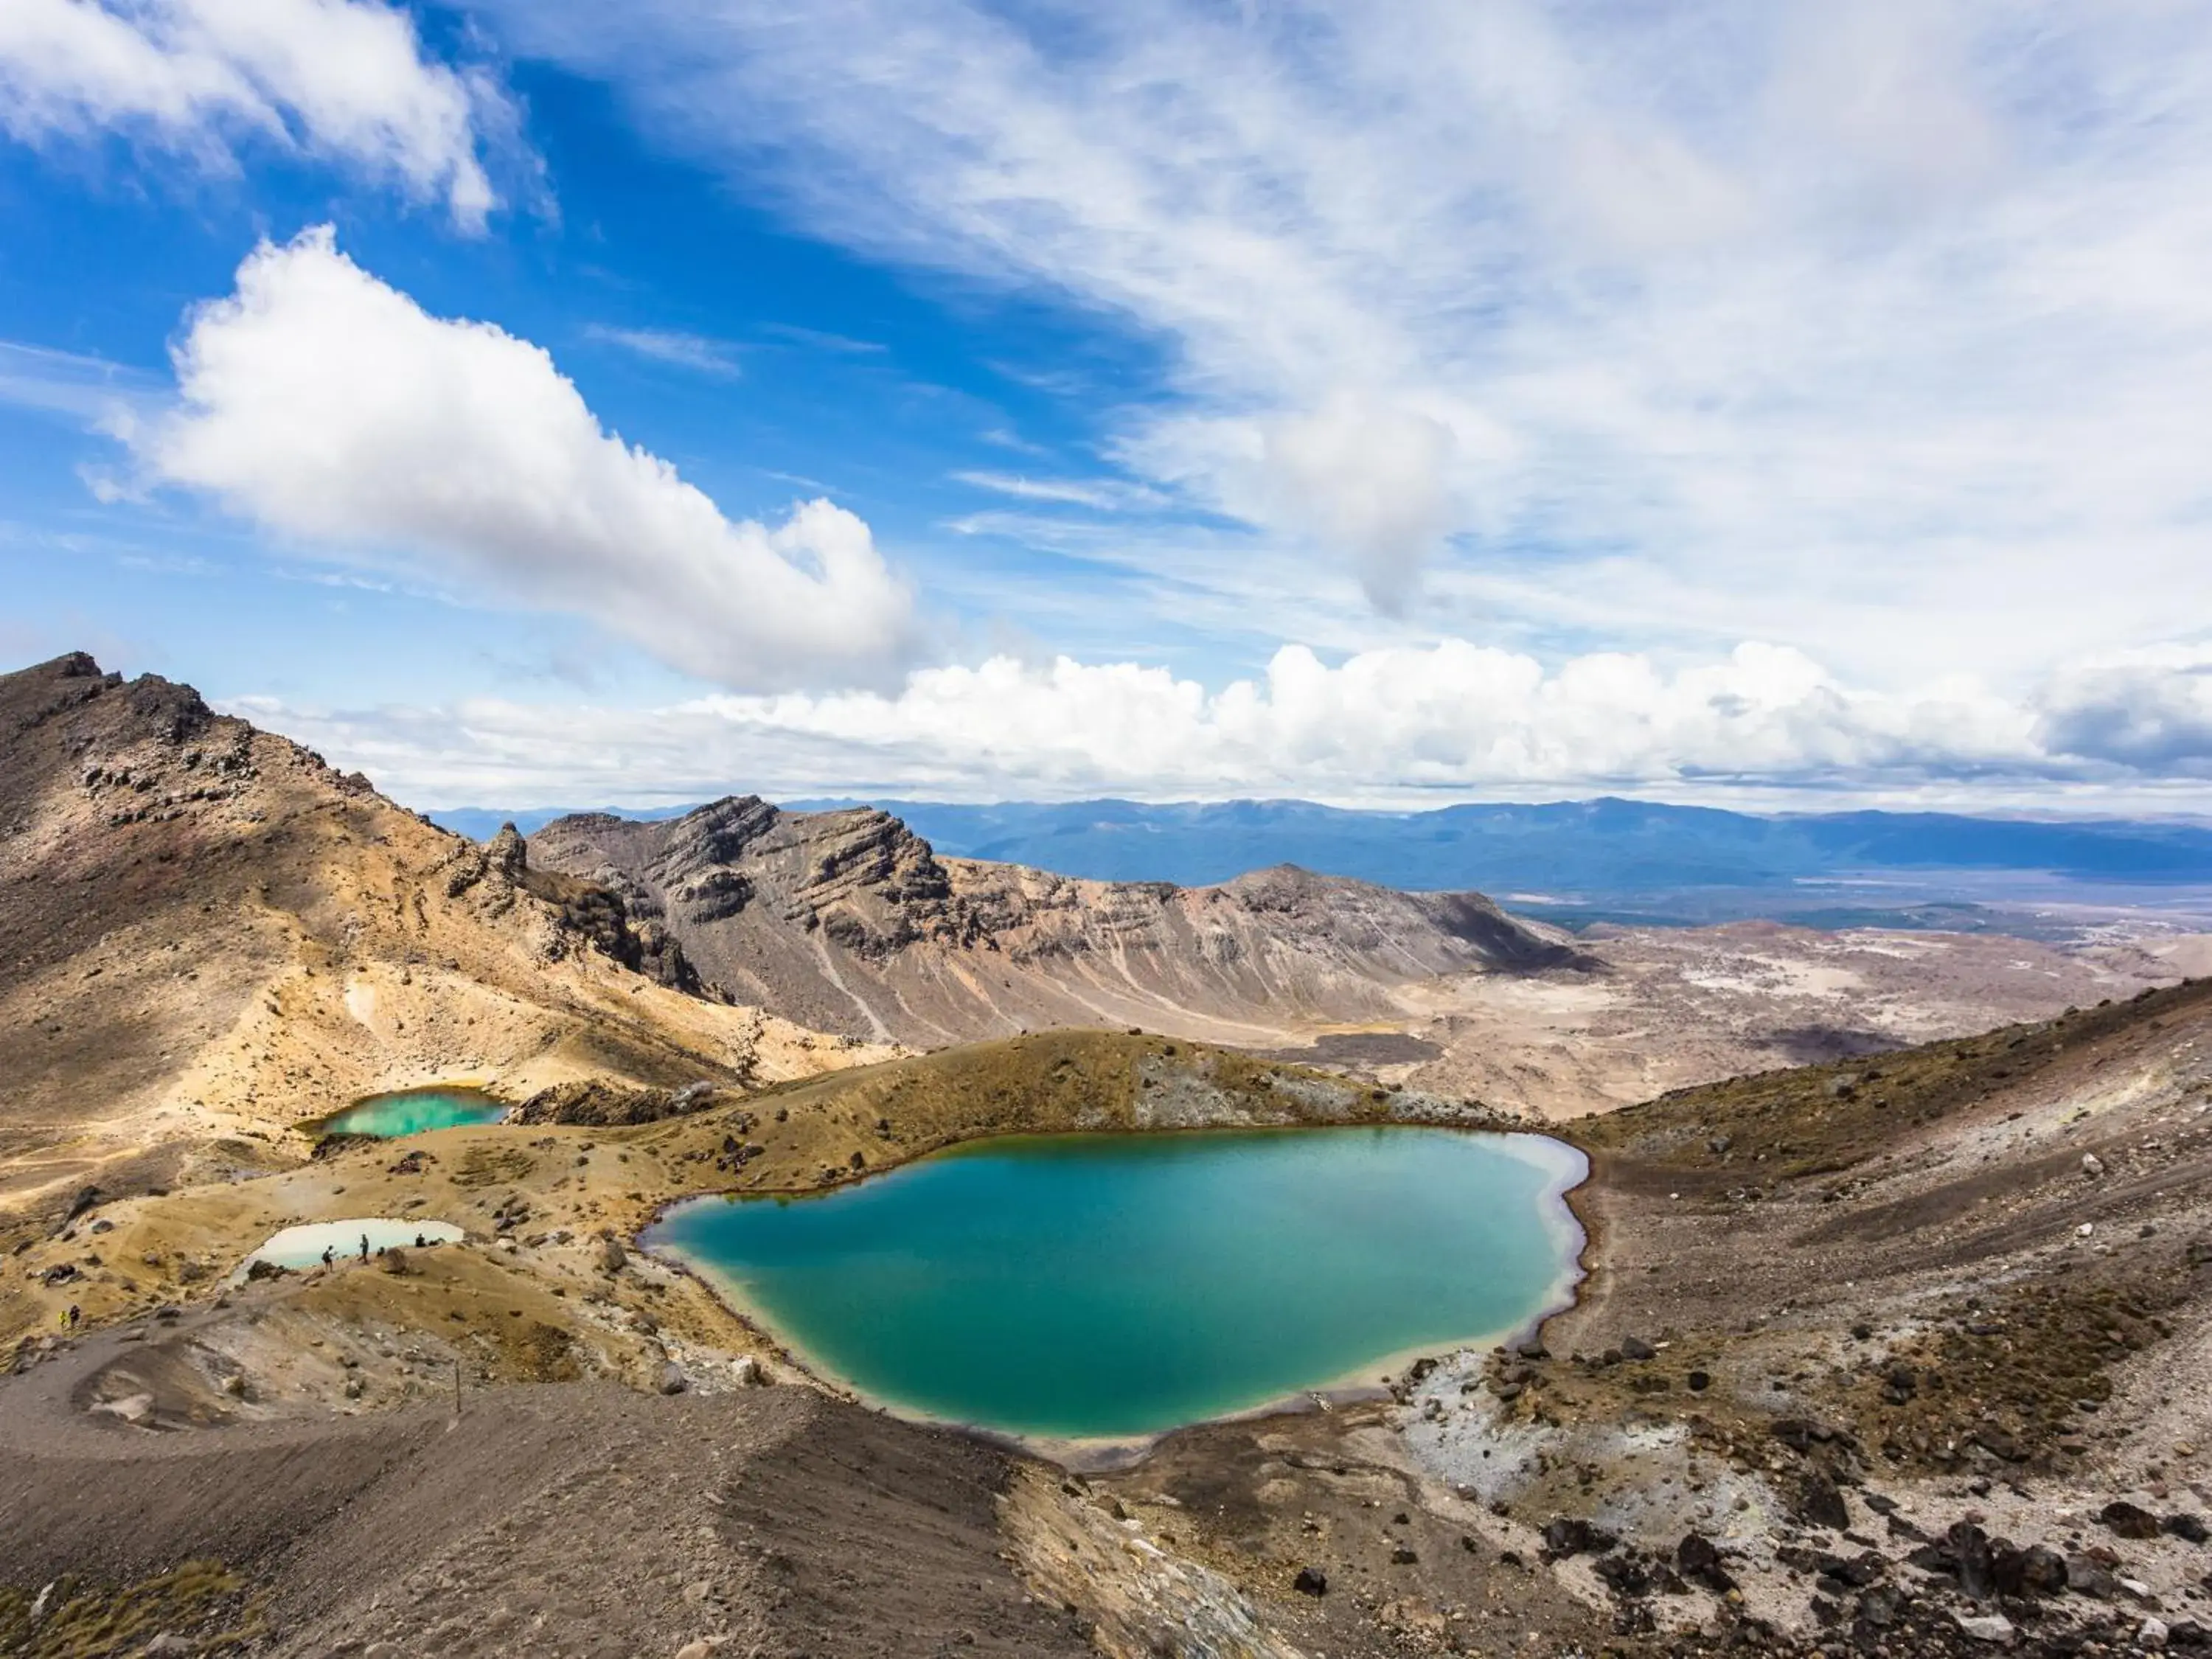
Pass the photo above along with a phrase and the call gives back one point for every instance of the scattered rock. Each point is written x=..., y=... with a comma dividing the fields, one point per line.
x=2089, y=1578
x=2130, y=1521
x=1998, y=1443
x=1311, y=1580
x=2043, y=1570
x=1625, y=1574
x=2186, y=1526
x=1820, y=1505
x=2153, y=1635
x=2092, y=1164
x=1879, y=1605
x=1571, y=1535
x=1988, y=1627
x=1635, y=1348
x=671, y=1379
x=1698, y=1559
x=612, y=1257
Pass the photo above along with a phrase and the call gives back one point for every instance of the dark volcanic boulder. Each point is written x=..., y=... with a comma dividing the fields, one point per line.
x=1571, y=1535
x=1699, y=1561
x=2129, y=1520
x=1820, y=1503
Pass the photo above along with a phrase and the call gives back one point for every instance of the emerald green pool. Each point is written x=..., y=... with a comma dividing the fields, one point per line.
x=410, y=1111
x=1117, y=1286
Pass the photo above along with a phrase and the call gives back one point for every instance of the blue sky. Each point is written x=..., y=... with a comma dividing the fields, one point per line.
x=1782, y=405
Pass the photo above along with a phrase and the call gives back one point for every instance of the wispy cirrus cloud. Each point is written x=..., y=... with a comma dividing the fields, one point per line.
x=824, y=340
x=699, y=352
x=1883, y=309
x=1101, y=495
x=85, y=388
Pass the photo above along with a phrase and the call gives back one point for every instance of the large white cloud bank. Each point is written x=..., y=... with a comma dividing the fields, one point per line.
x=330, y=409
x=344, y=80
x=1764, y=725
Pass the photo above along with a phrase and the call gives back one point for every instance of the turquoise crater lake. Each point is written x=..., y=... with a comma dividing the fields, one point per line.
x=1117, y=1286
x=410, y=1111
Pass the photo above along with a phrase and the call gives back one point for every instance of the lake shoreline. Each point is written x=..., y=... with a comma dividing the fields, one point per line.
x=1569, y=1169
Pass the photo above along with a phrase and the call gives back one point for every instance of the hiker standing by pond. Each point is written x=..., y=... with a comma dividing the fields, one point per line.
x=364, y=1247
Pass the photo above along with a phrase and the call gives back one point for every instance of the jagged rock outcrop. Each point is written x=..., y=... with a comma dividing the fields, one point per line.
x=848, y=920
x=597, y=1101
x=585, y=910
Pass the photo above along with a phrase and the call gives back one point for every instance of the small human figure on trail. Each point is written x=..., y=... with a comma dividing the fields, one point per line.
x=328, y=1252
x=75, y=1313
x=420, y=1244
x=364, y=1247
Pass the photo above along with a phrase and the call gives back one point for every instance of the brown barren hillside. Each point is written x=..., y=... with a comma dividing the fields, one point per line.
x=207, y=934
x=847, y=921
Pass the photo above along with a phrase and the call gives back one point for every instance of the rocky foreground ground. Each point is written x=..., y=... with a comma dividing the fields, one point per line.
x=1897, y=1356
x=1901, y=1353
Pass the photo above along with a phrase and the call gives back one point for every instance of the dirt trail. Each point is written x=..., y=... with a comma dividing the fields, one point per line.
x=587, y=1520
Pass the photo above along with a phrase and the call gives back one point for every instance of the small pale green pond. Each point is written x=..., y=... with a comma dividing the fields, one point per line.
x=410, y=1111
x=1081, y=1286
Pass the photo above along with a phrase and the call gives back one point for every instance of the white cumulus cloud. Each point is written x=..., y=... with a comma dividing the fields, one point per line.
x=345, y=80
x=1761, y=725
x=2148, y=708
x=321, y=403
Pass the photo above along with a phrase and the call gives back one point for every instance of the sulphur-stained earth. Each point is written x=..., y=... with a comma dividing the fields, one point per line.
x=1899, y=1352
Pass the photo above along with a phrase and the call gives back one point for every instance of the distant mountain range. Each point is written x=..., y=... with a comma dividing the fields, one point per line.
x=1580, y=860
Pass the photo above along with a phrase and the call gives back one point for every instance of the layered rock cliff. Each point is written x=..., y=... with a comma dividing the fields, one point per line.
x=850, y=922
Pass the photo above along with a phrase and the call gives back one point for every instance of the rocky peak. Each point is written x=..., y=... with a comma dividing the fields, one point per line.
x=858, y=874
x=506, y=854
x=861, y=849
x=717, y=834
x=176, y=713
